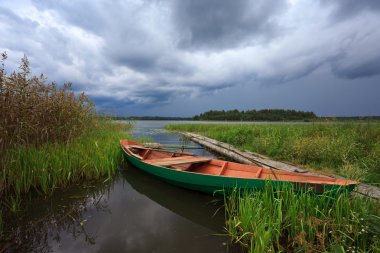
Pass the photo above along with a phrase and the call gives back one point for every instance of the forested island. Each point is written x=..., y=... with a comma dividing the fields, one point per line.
x=256, y=115
x=252, y=115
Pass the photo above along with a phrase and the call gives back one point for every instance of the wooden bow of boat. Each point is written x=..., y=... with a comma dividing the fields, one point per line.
x=206, y=174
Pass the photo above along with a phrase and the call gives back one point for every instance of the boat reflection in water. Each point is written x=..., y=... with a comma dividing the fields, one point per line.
x=197, y=207
x=132, y=213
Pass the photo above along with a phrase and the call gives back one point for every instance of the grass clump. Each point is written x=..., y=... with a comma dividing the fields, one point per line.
x=285, y=221
x=348, y=149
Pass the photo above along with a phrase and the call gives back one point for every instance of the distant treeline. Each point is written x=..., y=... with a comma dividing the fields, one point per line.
x=250, y=115
x=256, y=115
x=148, y=118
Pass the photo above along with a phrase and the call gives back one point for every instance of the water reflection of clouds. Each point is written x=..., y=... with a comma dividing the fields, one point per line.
x=138, y=224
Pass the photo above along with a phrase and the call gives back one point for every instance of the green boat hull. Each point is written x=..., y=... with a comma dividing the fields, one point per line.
x=211, y=184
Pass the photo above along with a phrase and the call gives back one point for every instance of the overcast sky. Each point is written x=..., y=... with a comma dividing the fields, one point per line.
x=184, y=57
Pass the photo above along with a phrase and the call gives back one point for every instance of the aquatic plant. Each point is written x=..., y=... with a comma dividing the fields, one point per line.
x=285, y=221
x=92, y=155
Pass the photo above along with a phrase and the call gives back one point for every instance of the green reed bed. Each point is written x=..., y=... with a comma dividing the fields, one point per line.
x=50, y=137
x=285, y=221
x=349, y=149
x=93, y=155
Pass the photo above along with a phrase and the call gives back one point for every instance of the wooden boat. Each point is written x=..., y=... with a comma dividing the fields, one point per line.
x=212, y=176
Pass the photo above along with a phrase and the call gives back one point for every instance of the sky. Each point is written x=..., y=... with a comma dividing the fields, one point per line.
x=184, y=57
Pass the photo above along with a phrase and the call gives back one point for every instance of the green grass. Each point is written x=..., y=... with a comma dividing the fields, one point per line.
x=351, y=150
x=95, y=154
x=284, y=221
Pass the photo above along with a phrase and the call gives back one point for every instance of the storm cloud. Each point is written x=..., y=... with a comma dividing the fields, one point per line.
x=148, y=54
x=344, y=9
x=218, y=24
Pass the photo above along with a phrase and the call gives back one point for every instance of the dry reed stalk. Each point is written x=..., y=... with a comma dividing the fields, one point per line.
x=33, y=111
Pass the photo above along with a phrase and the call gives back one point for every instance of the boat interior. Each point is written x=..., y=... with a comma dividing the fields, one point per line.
x=184, y=161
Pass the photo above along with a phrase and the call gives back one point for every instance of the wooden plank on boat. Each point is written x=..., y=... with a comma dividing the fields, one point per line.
x=160, y=150
x=176, y=161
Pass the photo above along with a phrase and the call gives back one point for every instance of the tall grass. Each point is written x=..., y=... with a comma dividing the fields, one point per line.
x=92, y=155
x=34, y=112
x=285, y=221
x=50, y=137
x=349, y=149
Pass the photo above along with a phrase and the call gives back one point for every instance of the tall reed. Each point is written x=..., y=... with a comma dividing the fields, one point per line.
x=93, y=155
x=285, y=221
x=49, y=136
x=33, y=111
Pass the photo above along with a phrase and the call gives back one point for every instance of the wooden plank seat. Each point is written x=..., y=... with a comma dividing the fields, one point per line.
x=171, y=161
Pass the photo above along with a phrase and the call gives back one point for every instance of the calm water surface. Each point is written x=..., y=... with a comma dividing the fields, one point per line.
x=134, y=212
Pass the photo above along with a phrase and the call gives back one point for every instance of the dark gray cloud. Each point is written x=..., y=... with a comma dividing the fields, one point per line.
x=371, y=67
x=128, y=40
x=359, y=54
x=344, y=9
x=218, y=24
x=111, y=106
x=139, y=61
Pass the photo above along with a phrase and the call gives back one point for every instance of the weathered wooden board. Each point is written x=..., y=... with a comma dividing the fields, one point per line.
x=244, y=157
x=177, y=161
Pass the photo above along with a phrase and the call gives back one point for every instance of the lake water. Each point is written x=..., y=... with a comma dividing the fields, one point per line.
x=134, y=212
